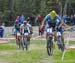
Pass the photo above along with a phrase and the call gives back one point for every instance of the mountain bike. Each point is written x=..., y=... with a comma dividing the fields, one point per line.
x=25, y=40
x=49, y=41
x=60, y=43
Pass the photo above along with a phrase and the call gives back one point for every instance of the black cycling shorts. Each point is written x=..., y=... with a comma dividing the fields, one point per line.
x=53, y=25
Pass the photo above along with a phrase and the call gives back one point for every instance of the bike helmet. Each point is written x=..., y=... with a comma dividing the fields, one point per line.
x=24, y=21
x=52, y=14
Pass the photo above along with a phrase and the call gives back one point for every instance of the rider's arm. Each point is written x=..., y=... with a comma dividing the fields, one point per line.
x=64, y=21
x=45, y=19
x=43, y=22
x=31, y=29
x=65, y=24
x=61, y=24
x=60, y=20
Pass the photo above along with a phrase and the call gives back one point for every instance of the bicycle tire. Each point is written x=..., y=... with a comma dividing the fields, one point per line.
x=50, y=46
x=26, y=44
x=60, y=45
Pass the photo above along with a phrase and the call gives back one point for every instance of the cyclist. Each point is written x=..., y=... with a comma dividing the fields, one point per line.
x=16, y=29
x=64, y=19
x=25, y=27
x=52, y=19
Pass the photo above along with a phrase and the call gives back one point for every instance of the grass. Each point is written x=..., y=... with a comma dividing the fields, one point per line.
x=36, y=54
x=24, y=57
x=68, y=58
x=69, y=55
x=14, y=55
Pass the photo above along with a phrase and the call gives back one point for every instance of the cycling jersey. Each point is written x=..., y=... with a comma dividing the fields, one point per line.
x=25, y=28
x=50, y=22
x=55, y=20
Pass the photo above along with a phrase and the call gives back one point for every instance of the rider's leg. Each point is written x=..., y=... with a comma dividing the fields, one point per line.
x=17, y=39
x=55, y=39
x=46, y=35
x=15, y=32
x=55, y=36
x=62, y=37
x=16, y=36
x=29, y=37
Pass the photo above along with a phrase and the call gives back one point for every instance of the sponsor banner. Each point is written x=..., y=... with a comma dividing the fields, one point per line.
x=6, y=39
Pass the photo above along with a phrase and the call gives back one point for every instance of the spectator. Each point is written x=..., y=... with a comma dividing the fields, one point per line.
x=28, y=19
x=22, y=18
x=1, y=31
x=39, y=19
x=36, y=22
x=18, y=19
x=73, y=19
x=3, y=26
x=68, y=20
x=64, y=18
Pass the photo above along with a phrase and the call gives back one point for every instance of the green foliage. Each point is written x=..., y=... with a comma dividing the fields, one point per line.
x=9, y=9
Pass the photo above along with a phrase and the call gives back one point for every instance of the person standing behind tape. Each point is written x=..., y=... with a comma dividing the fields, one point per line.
x=18, y=19
x=22, y=18
x=3, y=26
x=1, y=31
x=39, y=19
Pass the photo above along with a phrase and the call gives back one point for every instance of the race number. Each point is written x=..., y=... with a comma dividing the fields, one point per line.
x=49, y=30
x=18, y=34
x=58, y=34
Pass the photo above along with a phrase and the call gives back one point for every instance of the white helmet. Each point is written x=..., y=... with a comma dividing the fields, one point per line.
x=24, y=21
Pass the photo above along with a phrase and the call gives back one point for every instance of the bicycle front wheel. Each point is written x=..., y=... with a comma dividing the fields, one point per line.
x=50, y=46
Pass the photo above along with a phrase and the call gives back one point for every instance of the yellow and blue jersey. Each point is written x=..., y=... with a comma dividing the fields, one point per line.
x=49, y=20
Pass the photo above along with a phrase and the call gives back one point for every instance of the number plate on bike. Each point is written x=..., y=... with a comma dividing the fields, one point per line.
x=25, y=33
x=18, y=34
x=49, y=30
x=58, y=34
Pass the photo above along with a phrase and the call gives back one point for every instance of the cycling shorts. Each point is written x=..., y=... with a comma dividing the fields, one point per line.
x=61, y=30
x=51, y=25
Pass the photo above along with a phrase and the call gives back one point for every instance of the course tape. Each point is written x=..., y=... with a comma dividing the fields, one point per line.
x=70, y=47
